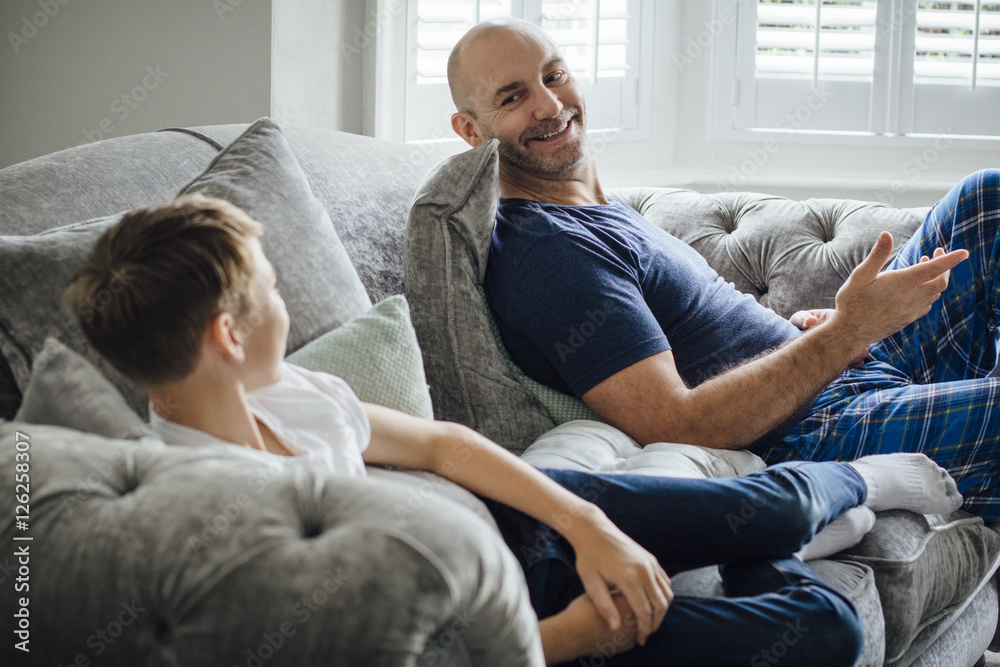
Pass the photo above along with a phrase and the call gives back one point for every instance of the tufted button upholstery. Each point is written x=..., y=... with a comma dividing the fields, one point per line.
x=790, y=255
x=206, y=555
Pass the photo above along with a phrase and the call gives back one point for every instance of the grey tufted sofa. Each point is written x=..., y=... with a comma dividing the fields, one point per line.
x=322, y=570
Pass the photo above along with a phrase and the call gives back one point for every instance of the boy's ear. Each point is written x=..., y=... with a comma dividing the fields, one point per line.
x=222, y=335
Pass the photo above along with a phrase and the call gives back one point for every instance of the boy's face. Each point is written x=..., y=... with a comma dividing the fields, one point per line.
x=265, y=328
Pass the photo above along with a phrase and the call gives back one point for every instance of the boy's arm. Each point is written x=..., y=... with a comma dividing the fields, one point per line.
x=606, y=558
x=579, y=631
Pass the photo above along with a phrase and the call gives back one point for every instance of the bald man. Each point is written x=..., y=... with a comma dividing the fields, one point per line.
x=676, y=354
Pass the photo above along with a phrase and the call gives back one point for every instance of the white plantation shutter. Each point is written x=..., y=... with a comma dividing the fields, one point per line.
x=866, y=66
x=956, y=69
x=602, y=41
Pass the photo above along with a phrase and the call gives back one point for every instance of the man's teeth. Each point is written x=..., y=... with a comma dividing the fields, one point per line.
x=549, y=136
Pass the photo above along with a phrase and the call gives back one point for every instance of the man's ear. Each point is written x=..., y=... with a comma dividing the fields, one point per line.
x=223, y=336
x=465, y=127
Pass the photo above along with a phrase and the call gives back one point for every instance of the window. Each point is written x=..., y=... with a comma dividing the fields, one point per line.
x=607, y=43
x=862, y=67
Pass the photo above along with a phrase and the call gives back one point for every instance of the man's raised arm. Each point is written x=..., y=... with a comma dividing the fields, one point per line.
x=650, y=402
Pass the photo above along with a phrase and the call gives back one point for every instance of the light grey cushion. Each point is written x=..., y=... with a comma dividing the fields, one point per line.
x=965, y=641
x=926, y=568
x=66, y=390
x=258, y=173
x=377, y=354
x=447, y=243
x=211, y=556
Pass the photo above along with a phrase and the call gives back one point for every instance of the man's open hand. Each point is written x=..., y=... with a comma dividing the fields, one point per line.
x=873, y=304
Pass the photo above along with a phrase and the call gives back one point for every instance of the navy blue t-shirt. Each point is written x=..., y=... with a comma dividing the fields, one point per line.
x=582, y=292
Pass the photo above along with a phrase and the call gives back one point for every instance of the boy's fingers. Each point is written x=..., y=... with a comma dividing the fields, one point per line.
x=605, y=606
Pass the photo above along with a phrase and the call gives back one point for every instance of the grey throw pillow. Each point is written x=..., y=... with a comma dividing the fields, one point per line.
x=66, y=390
x=256, y=172
x=447, y=244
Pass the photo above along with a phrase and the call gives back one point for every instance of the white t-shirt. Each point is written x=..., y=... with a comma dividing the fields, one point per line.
x=315, y=414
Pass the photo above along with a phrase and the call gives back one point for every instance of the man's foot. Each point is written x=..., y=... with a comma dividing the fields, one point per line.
x=908, y=481
x=841, y=534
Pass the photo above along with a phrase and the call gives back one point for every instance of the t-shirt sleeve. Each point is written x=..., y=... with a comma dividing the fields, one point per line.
x=579, y=304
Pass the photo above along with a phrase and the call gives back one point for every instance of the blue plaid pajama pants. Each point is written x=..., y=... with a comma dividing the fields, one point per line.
x=925, y=389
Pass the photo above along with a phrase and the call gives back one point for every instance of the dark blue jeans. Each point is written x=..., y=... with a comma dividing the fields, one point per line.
x=776, y=609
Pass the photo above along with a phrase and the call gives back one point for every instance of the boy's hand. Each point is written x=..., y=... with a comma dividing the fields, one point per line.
x=591, y=633
x=609, y=561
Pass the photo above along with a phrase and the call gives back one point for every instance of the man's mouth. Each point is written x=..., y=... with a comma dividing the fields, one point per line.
x=553, y=135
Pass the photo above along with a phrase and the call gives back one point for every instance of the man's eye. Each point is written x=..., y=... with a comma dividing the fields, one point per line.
x=512, y=98
x=557, y=76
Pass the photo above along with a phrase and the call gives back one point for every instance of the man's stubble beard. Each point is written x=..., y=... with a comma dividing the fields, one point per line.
x=515, y=153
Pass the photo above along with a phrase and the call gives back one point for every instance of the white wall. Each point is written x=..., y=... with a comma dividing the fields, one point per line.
x=315, y=67
x=91, y=69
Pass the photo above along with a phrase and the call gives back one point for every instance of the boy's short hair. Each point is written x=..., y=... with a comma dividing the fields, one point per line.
x=158, y=277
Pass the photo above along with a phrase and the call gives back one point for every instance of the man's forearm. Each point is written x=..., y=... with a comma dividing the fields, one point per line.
x=736, y=408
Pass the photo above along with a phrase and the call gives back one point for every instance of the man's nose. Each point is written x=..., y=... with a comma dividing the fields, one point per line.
x=548, y=105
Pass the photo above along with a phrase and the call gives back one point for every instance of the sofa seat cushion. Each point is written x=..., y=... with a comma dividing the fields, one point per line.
x=590, y=446
x=207, y=553
x=258, y=173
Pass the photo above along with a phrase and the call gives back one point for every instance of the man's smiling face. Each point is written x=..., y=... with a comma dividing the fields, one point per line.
x=519, y=90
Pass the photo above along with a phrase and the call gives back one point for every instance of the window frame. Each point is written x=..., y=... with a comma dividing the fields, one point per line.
x=386, y=68
x=730, y=103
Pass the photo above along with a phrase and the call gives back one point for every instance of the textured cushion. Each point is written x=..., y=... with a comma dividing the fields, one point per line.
x=591, y=446
x=211, y=556
x=258, y=173
x=377, y=354
x=926, y=568
x=66, y=390
x=447, y=241
x=790, y=255
x=964, y=641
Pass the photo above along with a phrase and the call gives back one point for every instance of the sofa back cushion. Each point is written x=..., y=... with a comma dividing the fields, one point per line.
x=258, y=173
x=447, y=242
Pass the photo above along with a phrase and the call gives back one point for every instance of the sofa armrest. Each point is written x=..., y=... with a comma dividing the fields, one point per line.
x=144, y=553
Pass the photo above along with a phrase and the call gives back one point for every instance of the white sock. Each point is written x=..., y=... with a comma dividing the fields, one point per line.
x=841, y=534
x=908, y=482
